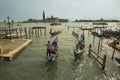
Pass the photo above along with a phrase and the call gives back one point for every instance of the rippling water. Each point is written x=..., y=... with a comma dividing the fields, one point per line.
x=31, y=63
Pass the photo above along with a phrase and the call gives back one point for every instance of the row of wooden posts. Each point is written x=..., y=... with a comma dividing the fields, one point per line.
x=33, y=31
x=27, y=31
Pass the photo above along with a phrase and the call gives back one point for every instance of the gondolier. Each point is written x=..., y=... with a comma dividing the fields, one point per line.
x=55, y=32
x=48, y=48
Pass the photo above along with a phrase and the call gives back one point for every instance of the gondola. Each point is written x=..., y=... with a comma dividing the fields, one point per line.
x=79, y=50
x=55, y=32
x=53, y=57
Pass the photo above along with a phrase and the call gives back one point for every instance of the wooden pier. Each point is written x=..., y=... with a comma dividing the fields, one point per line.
x=15, y=51
x=97, y=57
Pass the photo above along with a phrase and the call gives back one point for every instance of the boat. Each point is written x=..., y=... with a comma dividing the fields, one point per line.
x=114, y=43
x=55, y=32
x=86, y=28
x=51, y=56
x=110, y=33
x=15, y=35
x=99, y=23
x=79, y=50
x=56, y=22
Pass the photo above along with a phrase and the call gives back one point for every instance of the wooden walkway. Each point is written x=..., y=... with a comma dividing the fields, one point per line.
x=12, y=53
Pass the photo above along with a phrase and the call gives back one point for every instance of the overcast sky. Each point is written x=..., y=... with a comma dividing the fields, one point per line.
x=70, y=9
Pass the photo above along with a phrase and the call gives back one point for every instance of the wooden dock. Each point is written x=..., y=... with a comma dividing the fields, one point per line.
x=15, y=51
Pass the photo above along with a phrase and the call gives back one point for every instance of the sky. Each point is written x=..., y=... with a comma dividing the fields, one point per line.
x=68, y=9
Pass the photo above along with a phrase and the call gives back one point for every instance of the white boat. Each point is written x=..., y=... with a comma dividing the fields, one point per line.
x=78, y=52
x=56, y=22
x=15, y=35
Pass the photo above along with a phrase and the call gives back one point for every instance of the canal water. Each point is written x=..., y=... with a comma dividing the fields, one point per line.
x=31, y=63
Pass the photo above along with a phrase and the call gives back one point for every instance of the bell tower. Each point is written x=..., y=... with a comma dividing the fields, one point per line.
x=43, y=16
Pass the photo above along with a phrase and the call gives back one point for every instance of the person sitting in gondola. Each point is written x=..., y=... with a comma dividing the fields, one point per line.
x=82, y=45
x=78, y=44
x=53, y=50
x=54, y=43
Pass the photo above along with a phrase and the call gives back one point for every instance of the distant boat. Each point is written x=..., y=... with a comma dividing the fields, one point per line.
x=110, y=33
x=56, y=22
x=100, y=23
x=15, y=35
x=55, y=32
x=86, y=28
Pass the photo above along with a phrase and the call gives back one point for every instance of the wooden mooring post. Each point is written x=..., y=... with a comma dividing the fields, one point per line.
x=113, y=53
x=99, y=46
x=98, y=58
x=26, y=34
x=93, y=40
x=1, y=50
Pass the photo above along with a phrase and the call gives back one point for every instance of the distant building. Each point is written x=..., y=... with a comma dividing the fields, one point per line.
x=52, y=19
x=44, y=19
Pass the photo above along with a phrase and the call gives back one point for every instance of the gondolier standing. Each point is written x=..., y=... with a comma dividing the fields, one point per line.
x=48, y=48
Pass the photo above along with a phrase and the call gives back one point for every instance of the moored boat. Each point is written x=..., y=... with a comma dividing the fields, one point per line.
x=14, y=35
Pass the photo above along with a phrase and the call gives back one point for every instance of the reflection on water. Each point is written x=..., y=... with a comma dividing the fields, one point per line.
x=52, y=70
x=31, y=63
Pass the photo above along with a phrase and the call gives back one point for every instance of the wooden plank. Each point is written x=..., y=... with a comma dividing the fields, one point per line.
x=38, y=27
x=97, y=60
